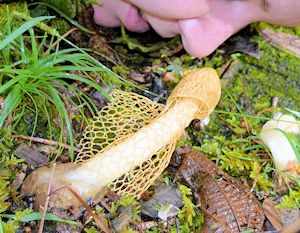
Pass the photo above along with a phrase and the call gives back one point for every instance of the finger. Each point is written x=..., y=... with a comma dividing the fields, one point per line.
x=132, y=20
x=172, y=9
x=201, y=36
x=283, y=12
x=113, y=13
x=164, y=27
x=105, y=17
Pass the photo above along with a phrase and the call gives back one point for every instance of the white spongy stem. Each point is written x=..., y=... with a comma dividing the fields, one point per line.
x=282, y=152
x=106, y=167
x=280, y=147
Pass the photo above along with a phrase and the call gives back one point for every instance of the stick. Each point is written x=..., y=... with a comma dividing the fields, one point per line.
x=58, y=40
x=41, y=226
x=44, y=141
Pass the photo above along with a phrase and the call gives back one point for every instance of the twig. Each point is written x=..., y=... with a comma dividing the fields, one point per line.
x=105, y=206
x=44, y=141
x=41, y=226
x=256, y=178
x=246, y=125
x=59, y=39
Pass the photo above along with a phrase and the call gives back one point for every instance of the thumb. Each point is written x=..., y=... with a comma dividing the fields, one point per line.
x=202, y=35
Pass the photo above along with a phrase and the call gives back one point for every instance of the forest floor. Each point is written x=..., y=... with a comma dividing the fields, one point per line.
x=221, y=177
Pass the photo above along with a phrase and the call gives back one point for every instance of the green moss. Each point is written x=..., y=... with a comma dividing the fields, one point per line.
x=276, y=73
x=8, y=170
x=291, y=30
x=126, y=201
x=66, y=6
x=291, y=200
x=60, y=25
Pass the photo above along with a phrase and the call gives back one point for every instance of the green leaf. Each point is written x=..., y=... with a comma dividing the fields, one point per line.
x=289, y=137
x=1, y=226
x=297, y=114
x=38, y=216
x=22, y=29
x=11, y=101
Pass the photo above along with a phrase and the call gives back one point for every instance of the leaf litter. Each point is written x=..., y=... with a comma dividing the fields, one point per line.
x=227, y=204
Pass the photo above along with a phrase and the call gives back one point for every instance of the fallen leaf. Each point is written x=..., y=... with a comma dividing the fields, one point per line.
x=289, y=216
x=272, y=213
x=293, y=228
x=225, y=201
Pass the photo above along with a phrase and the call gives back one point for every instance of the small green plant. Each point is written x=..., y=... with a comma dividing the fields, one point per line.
x=187, y=212
x=8, y=171
x=7, y=174
x=190, y=218
x=91, y=230
x=27, y=216
x=12, y=225
x=126, y=201
x=290, y=200
x=36, y=70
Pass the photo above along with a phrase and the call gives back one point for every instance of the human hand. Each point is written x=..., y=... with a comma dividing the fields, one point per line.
x=202, y=24
x=113, y=13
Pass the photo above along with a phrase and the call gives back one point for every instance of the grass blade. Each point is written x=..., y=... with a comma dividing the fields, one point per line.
x=59, y=104
x=34, y=216
x=29, y=24
x=1, y=226
x=12, y=100
x=289, y=138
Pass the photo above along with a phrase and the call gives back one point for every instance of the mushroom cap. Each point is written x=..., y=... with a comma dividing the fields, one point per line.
x=202, y=86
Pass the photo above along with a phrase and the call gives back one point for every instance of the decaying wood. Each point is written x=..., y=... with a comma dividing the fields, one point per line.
x=31, y=156
x=225, y=201
x=282, y=40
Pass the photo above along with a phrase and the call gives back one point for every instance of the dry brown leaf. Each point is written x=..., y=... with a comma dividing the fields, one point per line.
x=293, y=228
x=272, y=213
x=224, y=200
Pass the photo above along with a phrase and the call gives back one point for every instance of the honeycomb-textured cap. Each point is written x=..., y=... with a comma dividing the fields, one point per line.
x=201, y=85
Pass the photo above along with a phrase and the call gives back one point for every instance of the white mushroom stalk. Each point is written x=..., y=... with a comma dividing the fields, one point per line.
x=277, y=135
x=195, y=97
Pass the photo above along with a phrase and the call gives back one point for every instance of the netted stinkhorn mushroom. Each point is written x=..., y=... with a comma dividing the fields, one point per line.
x=129, y=144
x=278, y=135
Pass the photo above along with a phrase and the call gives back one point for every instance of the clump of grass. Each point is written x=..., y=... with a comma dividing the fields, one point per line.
x=34, y=68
